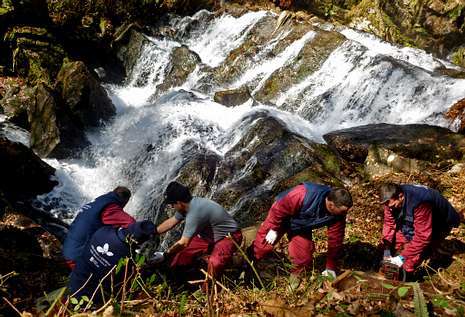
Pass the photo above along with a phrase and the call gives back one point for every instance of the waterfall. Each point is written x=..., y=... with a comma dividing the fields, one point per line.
x=364, y=80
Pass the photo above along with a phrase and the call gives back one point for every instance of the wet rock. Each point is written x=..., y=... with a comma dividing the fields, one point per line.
x=413, y=141
x=24, y=174
x=199, y=169
x=267, y=160
x=308, y=60
x=183, y=63
x=54, y=132
x=456, y=115
x=45, y=134
x=243, y=56
x=233, y=97
x=177, y=96
x=128, y=44
x=83, y=95
x=36, y=53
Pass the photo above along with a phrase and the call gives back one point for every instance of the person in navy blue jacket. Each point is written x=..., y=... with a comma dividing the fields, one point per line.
x=297, y=212
x=101, y=256
x=106, y=209
x=415, y=218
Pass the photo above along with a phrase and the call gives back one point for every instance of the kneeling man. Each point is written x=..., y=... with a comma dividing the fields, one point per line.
x=297, y=212
x=416, y=218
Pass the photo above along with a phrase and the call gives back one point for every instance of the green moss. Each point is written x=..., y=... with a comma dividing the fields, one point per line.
x=458, y=57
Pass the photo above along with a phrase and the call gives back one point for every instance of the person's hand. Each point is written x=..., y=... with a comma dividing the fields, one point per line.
x=397, y=260
x=158, y=257
x=271, y=236
x=329, y=273
x=387, y=254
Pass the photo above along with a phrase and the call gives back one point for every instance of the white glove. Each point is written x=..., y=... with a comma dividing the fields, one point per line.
x=271, y=236
x=158, y=257
x=397, y=260
x=329, y=273
x=386, y=254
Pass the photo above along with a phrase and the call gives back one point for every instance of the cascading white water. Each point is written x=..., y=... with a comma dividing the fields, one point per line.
x=146, y=143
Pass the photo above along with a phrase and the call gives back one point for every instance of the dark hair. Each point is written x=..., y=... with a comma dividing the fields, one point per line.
x=388, y=191
x=340, y=197
x=177, y=192
x=123, y=193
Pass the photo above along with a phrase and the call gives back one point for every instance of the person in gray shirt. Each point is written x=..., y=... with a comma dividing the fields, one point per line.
x=208, y=229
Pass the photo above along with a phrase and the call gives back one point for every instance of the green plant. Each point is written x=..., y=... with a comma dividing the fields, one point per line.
x=79, y=303
x=182, y=304
x=402, y=291
x=419, y=301
x=440, y=301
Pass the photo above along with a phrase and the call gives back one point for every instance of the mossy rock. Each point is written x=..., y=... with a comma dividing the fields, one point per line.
x=54, y=131
x=458, y=57
x=414, y=141
x=83, y=95
x=36, y=54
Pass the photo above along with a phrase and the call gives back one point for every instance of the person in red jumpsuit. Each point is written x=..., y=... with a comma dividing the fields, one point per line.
x=295, y=213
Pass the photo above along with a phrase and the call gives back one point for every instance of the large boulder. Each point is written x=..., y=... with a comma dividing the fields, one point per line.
x=54, y=131
x=128, y=44
x=268, y=159
x=415, y=141
x=83, y=95
x=24, y=174
x=183, y=62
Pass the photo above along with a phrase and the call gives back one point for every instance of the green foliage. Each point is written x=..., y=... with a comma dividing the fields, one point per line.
x=140, y=259
x=182, y=304
x=402, y=291
x=455, y=13
x=440, y=301
x=122, y=262
x=388, y=286
x=79, y=303
x=419, y=301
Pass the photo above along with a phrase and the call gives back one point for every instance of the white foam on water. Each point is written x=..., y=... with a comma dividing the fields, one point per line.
x=410, y=55
x=265, y=69
x=223, y=35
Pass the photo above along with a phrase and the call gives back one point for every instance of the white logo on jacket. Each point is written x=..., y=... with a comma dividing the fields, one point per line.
x=105, y=250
